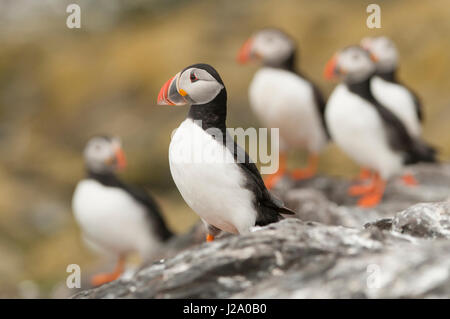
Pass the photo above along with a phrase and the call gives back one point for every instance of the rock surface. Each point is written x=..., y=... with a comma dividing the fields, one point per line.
x=332, y=250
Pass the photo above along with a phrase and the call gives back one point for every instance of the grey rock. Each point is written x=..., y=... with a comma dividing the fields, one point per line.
x=400, y=271
x=333, y=249
x=426, y=220
x=325, y=199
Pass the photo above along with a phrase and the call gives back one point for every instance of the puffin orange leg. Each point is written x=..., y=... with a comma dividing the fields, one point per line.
x=364, y=174
x=271, y=180
x=409, y=180
x=101, y=279
x=309, y=171
x=209, y=238
x=357, y=190
x=361, y=189
x=373, y=198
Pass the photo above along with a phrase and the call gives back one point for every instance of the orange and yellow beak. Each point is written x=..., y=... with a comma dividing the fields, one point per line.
x=331, y=70
x=373, y=57
x=121, y=161
x=170, y=94
x=245, y=53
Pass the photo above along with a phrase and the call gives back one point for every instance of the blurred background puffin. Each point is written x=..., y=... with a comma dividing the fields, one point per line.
x=387, y=89
x=114, y=217
x=284, y=98
x=369, y=132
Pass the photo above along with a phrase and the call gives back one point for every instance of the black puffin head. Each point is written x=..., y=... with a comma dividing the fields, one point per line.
x=271, y=46
x=197, y=84
x=103, y=155
x=352, y=64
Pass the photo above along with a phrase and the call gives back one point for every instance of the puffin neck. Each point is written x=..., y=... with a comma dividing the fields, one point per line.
x=390, y=76
x=212, y=114
x=104, y=178
x=288, y=64
x=362, y=88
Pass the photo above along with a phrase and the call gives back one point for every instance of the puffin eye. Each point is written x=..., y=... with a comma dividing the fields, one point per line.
x=193, y=77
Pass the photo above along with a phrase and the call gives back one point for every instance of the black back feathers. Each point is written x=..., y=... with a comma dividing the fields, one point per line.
x=157, y=222
x=413, y=149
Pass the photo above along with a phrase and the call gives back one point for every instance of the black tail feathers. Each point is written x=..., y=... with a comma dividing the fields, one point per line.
x=422, y=152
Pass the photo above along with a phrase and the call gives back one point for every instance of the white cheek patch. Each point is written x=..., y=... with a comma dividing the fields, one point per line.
x=272, y=46
x=201, y=91
x=204, y=91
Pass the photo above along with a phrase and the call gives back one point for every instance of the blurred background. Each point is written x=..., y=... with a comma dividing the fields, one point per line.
x=60, y=86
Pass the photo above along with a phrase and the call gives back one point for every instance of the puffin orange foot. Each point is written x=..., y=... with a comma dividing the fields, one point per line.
x=102, y=279
x=309, y=171
x=370, y=200
x=271, y=180
x=373, y=198
x=300, y=174
x=209, y=238
x=357, y=190
x=365, y=174
x=409, y=180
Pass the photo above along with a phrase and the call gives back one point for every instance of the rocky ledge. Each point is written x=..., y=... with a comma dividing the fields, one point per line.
x=332, y=250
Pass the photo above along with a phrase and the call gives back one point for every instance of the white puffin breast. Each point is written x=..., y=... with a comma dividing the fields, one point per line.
x=399, y=100
x=358, y=130
x=282, y=99
x=209, y=180
x=112, y=220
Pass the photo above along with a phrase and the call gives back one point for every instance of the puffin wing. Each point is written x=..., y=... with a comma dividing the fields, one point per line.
x=414, y=149
x=420, y=115
x=418, y=105
x=417, y=101
x=391, y=77
x=153, y=212
x=268, y=206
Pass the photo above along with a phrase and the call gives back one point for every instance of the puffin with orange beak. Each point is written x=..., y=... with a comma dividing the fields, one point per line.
x=286, y=99
x=386, y=88
x=215, y=176
x=366, y=130
x=114, y=217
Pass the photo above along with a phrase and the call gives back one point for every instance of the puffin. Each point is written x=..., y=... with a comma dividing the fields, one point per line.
x=114, y=217
x=364, y=128
x=216, y=177
x=396, y=96
x=283, y=97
